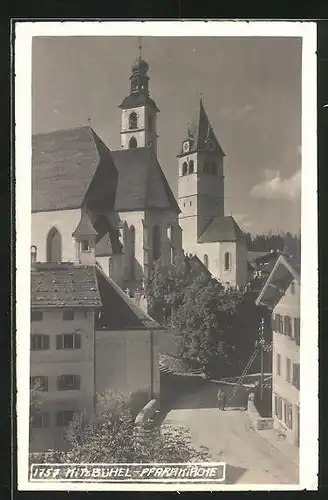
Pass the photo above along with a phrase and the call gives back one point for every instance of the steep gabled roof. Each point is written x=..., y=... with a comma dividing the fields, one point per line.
x=141, y=182
x=104, y=246
x=63, y=165
x=221, y=229
x=119, y=311
x=200, y=132
x=84, y=227
x=64, y=285
x=283, y=273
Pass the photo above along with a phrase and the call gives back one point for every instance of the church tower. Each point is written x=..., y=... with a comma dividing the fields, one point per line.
x=139, y=111
x=201, y=179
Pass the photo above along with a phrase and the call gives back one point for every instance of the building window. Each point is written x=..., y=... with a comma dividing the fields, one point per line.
x=68, y=341
x=227, y=261
x=274, y=322
x=184, y=168
x=278, y=364
x=292, y=288
x=278, y=406
x=288, y=326
x=296, y=375
x=85, y=246
x=156, y=243
x=133, y=120
x=36, y=315
x=133, y=143
x=280, y=323
x=190, y=203
x=172, y=255
x=63, y=418
x=39, y=383
x=288, y=414
x=40, y=420
x=68, y=382
x=288, y=370
x=40, y=342
x=206, y=261
x=68, y=315
x=54, y=250
x=132, y=238
x=191, y=166
x=297, y=325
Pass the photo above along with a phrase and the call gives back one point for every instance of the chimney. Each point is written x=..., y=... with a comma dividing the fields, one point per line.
x=33, y=257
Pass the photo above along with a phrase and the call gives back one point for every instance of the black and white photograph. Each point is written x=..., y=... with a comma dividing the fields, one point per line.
x=166, y=218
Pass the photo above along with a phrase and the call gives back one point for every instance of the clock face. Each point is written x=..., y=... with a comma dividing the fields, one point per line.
x=186, y=146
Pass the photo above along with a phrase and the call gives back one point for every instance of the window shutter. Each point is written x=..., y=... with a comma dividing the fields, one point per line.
x=58, y=341
x=77, y=341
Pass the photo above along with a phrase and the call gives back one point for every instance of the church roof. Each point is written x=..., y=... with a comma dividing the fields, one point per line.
x=85, y=227
x=141, y=182
x=221, y=229
x=137, y=99
x=63, y=165
x=64, y=285
x=200, y=131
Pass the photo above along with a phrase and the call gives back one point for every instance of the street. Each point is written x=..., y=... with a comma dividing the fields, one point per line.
x=250, y=458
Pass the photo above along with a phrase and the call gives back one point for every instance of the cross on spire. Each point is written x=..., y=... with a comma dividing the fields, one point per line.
x=140, y=46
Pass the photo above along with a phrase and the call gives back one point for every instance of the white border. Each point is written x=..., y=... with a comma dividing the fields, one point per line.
x=309, y=303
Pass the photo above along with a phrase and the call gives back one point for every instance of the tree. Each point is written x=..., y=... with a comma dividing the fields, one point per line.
x=110, y=436
x=217, y=327
x=168, y=284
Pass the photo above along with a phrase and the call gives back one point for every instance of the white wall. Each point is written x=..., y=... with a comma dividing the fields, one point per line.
x=65, y=221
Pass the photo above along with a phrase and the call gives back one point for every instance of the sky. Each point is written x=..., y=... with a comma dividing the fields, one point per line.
x=251, y=90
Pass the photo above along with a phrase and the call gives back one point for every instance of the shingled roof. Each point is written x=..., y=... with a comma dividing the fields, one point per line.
x=141, y=182
x=63, y=165
x=200, y=132
x=119, y=311
x=221, y=229
x=64, y=285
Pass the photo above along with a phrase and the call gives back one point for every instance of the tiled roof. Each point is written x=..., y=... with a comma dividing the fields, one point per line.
x=119, y=311
x=64, y=285
x=200, y=131
x=63, y=165
x=221, y=229
x=141, y=182
x=84, y=227
x=136, y=99
x=284, y=271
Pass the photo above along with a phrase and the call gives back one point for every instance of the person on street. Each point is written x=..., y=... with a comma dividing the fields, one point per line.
x=221, y=399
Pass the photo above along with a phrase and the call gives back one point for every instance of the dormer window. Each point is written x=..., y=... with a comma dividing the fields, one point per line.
x=85, y=246
x=133, y=120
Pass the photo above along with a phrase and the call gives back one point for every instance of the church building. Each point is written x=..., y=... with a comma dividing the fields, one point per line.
x=125, y=194
x=215, y=238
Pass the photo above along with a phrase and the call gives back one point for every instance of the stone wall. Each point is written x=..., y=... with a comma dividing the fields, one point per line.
x=258, y=423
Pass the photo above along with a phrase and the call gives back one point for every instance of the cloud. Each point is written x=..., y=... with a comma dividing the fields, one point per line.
x=236, y=113
x=243, y=220
x=274, y=187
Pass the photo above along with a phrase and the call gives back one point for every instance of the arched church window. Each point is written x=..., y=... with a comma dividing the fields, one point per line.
x=132, y=239
x=191, y=166
x=133, y=120
x=133, y=142
x=206, y=261
x=156, y=243
x=227, y=261
x=54, y=246
x=184, y=168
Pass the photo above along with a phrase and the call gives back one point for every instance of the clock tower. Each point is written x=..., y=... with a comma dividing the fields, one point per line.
x=139, y=111
x=201, y=179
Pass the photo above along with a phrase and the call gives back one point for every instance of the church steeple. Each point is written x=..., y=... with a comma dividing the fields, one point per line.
x=138, y=126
